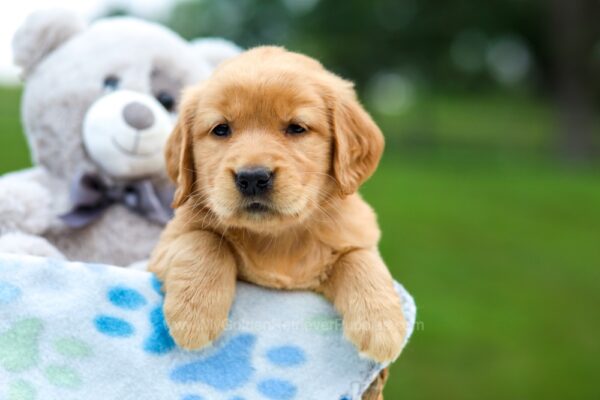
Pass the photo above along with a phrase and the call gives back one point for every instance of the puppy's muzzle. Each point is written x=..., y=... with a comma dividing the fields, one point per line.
x=254, y=181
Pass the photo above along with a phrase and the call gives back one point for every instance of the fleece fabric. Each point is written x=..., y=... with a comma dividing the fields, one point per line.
x=88, y=331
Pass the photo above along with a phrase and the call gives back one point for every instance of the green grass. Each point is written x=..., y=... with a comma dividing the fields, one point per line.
x=504, y=262
x=13, y=147
x=501, y=253
x=492, y=122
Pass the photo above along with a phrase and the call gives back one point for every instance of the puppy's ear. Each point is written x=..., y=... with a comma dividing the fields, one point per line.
x=179, y=156
x=357, y=141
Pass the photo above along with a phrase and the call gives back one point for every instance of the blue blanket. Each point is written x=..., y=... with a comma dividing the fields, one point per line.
x=86, y=331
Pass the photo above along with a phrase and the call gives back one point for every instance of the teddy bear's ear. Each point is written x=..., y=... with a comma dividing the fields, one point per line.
x=215, y=50
x=41, y=33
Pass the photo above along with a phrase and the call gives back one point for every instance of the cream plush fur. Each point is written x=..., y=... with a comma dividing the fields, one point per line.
x=78, y=79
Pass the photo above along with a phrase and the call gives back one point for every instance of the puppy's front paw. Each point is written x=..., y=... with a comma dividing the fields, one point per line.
x=193, y=326
x=377, y=333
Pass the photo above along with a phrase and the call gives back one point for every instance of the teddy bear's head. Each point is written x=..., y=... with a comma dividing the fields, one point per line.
x=103, y=98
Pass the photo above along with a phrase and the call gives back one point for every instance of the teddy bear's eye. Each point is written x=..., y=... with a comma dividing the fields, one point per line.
x=167, y=100
x=111, y=82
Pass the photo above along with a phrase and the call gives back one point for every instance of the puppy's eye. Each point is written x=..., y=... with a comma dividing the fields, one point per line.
x=167, y=100
x=294, y=129
x=221, y=130
x=111, y=82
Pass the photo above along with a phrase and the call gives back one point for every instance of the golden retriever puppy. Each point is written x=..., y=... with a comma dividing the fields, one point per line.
x=268, y=155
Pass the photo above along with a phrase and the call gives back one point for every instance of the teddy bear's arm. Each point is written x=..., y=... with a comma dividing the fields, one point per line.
x=26, y=244
x=25, y=203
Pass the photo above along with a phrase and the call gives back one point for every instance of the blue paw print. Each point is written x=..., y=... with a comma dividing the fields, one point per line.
x=8, y=293
x=216, y=371
x=228, y=370
x=158, y=341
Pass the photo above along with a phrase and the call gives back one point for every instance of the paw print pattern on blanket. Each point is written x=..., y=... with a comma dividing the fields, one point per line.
x=228, y=370
x=8, y=293
x=20, y=347
x=158, y=342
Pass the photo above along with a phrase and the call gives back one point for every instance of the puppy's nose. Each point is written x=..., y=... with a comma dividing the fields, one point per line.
x=254, y=181
x=138, y=116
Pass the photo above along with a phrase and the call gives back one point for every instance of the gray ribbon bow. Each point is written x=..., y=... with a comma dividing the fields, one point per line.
x=92, y=196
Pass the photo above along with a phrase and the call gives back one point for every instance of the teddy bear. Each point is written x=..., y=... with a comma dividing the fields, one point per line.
x=98, y=105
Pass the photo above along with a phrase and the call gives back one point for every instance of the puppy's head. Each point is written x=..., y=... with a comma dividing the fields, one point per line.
x=269, y=139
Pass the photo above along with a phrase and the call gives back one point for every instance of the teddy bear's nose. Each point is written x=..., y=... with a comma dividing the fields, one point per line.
x=138, y=116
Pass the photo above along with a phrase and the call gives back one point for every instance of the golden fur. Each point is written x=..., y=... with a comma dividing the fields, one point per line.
x=318, y=235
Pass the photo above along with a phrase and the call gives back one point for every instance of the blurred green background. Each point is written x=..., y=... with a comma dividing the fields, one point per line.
x=489, y=190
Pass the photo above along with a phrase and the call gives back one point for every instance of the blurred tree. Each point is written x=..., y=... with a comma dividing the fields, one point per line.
x=519, y=46
x=358, y=38
x=574, y=31
x=115, y=11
